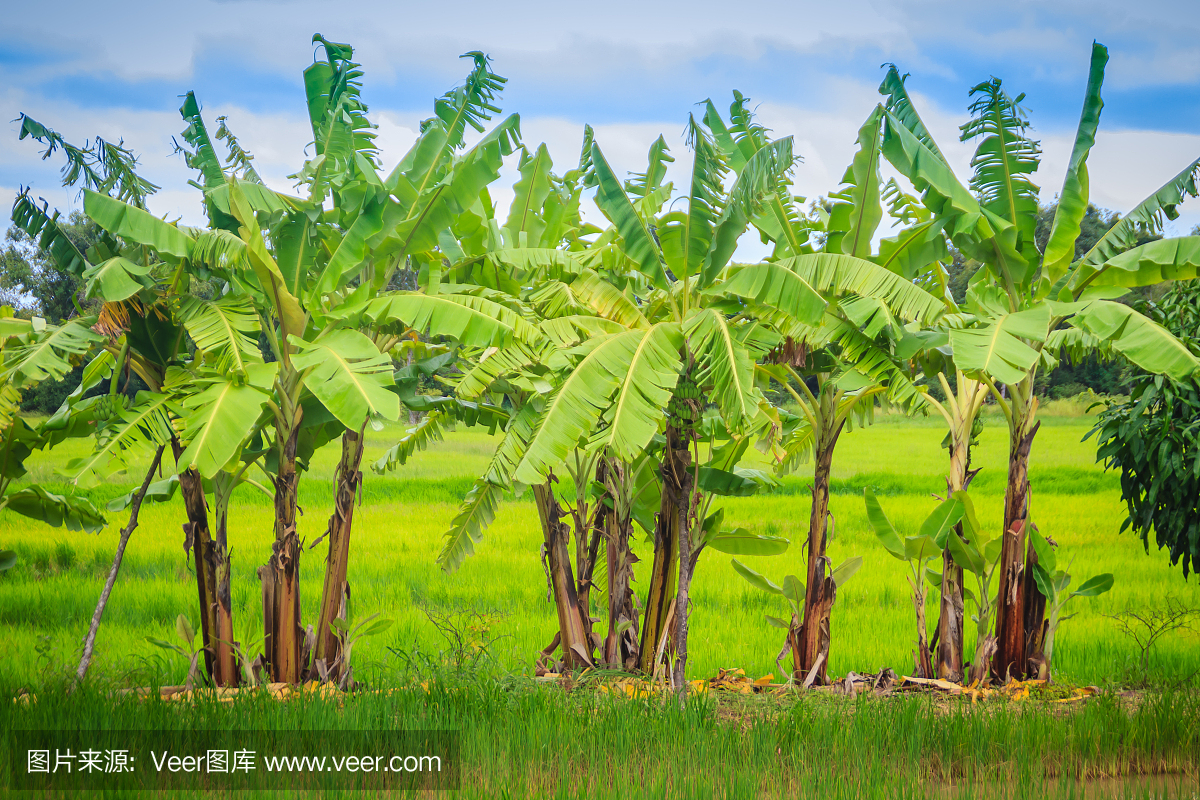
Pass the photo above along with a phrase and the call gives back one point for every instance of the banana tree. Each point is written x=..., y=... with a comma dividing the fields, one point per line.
x=925, y=350
x=644, y=314
x=792, y=590
x=918, y=252
x=210, y=408
x=851, y=354
x=843, y=398
x=313, y=288
x=557, y=290
x=1053, y=583
x=419, y=218
x=1020, y=298
x=974, y=552
x=207, y=383
x=847, y=224
x=135, y=286
x=918, y=552
x=960, y=410
x=514, y=268
x=689, y=338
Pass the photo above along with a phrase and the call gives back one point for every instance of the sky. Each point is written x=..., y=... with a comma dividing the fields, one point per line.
x=631, y=69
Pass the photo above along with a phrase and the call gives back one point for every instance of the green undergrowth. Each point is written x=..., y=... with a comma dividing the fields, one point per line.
x=519, y=739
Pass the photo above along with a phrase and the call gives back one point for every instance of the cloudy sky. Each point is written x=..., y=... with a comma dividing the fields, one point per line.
x=631, y=69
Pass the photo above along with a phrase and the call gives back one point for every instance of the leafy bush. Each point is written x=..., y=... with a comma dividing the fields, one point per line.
x=46, y=397
x=1065, y=390
x=1154, y=441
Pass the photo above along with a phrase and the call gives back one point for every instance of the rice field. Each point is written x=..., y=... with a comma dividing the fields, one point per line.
x=47, y=599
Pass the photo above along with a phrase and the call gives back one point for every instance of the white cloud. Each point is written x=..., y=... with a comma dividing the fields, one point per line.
x=578, y=43
x=1125, y=167
x=170, y=36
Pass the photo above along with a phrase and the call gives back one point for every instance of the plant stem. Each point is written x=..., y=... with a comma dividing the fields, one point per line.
x=89, y=641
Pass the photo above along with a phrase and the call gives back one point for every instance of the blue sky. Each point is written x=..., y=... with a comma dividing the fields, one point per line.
x=631, y=69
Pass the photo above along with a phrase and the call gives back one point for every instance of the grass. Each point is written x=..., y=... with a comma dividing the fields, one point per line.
x=517, y=740
x=521, y=740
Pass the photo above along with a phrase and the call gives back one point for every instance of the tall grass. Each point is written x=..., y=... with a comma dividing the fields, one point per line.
x=518, y=740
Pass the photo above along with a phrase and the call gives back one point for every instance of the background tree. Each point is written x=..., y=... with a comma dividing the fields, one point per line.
x=1153, y=440
x=32, y=282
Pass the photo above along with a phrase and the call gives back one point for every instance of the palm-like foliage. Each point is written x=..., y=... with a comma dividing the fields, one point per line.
x=849, y=357
x=662, y=311
x=283, y=269
x=313, y=284
x=1020, y=300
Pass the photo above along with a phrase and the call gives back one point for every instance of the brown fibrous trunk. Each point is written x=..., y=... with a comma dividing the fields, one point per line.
x=1035, y=620
x=283, y=638
x=587, y=549
x=1010, y=613
x=574, y=640
x=621, y=649
x=335, y=592
x=820, y=591
x=211, y=560
x=923, y=662
x=661, y=594
x=678, y=476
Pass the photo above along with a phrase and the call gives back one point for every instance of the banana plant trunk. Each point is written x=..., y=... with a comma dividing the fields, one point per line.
x=661, y=593
x=1037, y=657
x=212, y=579
x=680, y=480
x=587, y=548
x=335, y=594
x=950, y=613
x=924, y=664
x=283, y=638
x=621, y=649
x=813, y=651
x=573, y=636
x=226, y=658
x=1010, y=658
